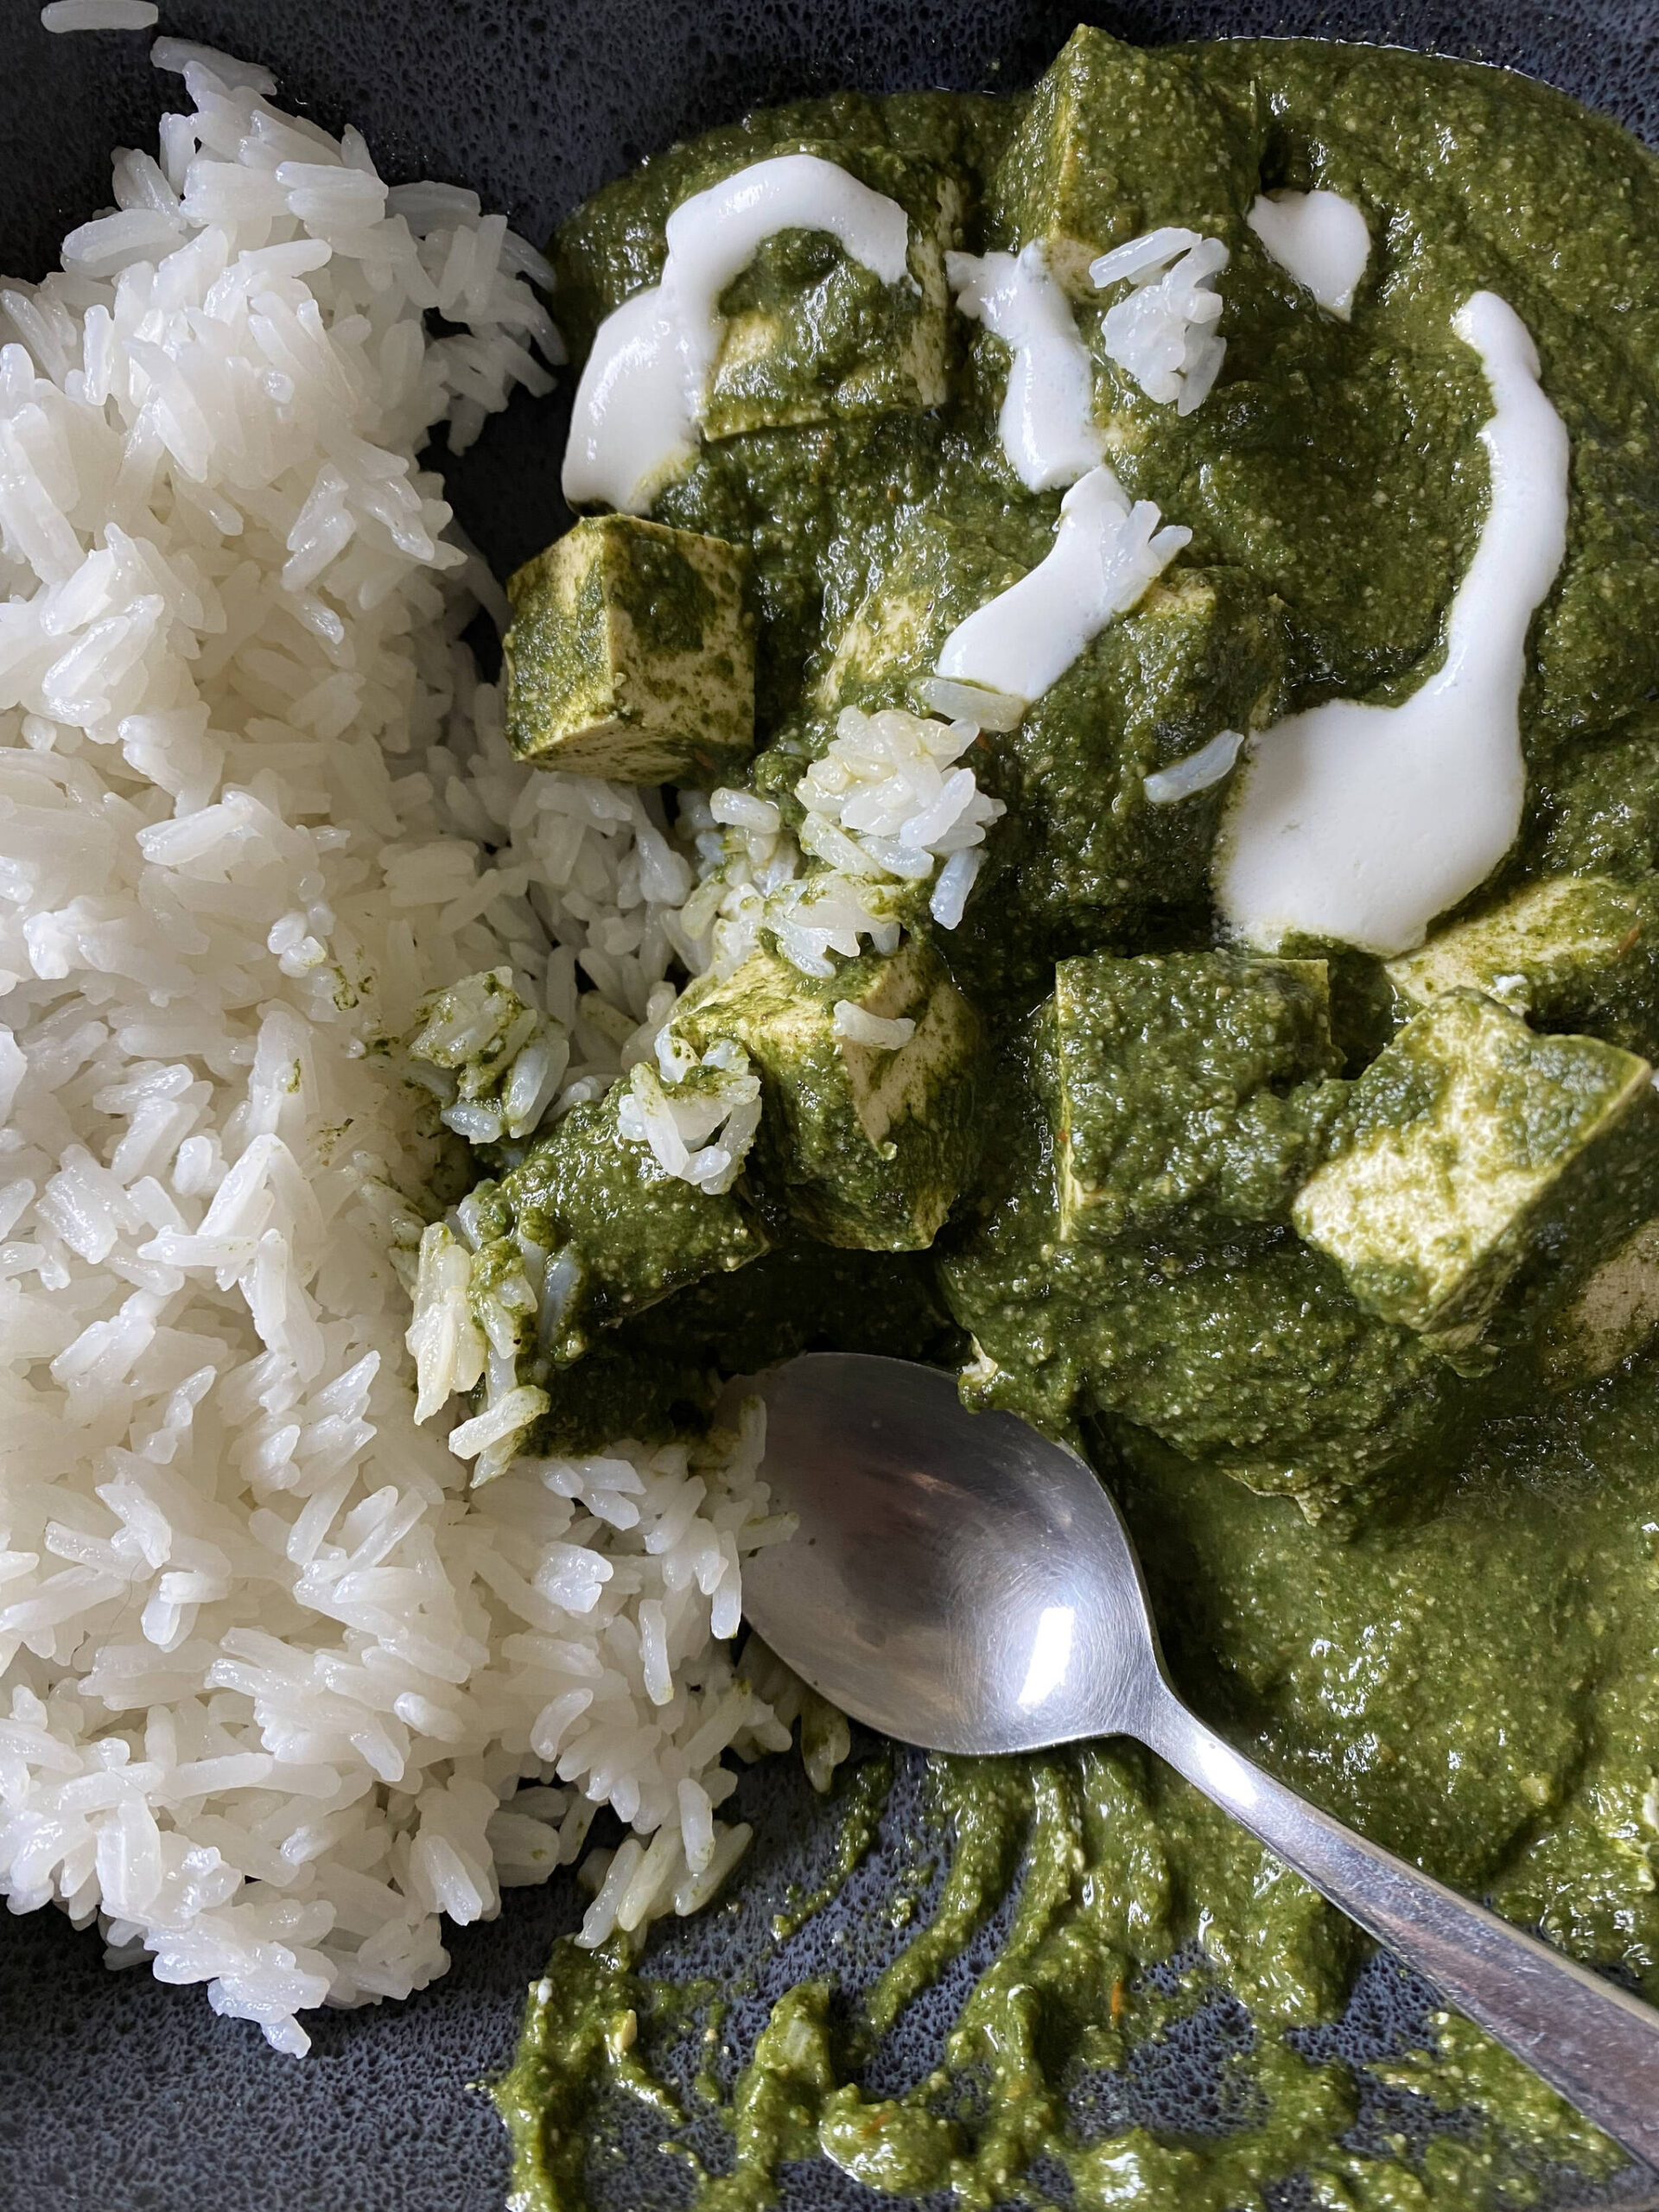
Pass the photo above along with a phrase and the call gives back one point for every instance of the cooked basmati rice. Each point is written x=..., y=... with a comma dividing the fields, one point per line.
x=1196, y=771
x=1162, y=330
x=99, y=15
x=885, y=810
x=699, y=1116
x=888, y=1033
x=270, y=1671
x=969, y=702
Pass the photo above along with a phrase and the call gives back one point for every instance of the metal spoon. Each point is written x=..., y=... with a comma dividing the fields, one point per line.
x=961, y=1583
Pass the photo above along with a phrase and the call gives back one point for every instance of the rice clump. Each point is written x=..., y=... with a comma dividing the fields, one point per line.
x=271, y=1670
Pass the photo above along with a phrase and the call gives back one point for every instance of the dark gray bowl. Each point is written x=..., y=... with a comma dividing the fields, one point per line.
x=117, y=2094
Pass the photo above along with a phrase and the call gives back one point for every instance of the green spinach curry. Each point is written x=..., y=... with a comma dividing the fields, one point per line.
x=1343, y=1268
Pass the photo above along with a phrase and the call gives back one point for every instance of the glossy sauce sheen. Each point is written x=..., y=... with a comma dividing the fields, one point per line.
x=1445, y=1630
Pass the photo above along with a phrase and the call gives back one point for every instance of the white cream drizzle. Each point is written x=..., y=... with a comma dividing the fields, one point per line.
x=641, y=402
x=1319, y=238
x=1105, y=554
x=633, y=428
x=1361, y=824
x=1047, y=421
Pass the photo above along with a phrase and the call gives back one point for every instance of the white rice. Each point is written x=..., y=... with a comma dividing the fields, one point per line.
x=956, y=701
x=1195, y=771
x=699, y=1116
x=498, y=1064
x=1162, y=330
x=887, y=812
x=99, y=15
x=888, y=1033
x=269, y=1670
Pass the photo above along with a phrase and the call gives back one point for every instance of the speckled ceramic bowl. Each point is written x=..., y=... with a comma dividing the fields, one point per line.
x=117, y=2094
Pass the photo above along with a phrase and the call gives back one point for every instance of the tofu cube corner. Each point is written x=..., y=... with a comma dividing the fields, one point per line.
x=1087, y=168
x=1575, y=952
x=1474, y=1152
x=630, y=654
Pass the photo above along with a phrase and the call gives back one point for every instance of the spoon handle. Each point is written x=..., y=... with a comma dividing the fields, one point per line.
x=1588, y=2038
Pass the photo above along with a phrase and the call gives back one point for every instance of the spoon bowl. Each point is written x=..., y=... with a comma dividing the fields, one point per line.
x=959, y=1582
x=976, y=1600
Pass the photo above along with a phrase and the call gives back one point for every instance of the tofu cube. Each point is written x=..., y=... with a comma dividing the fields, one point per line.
x=919, y=585
x=1089, y=167
x=1183, y=1083
x=870, y=1142
x=1614, y=1313
x=1474, y=1152
x=632, y=654
x=810, y=335
x=1577, y=952
x=1202, y=653
x=619, y=1233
